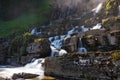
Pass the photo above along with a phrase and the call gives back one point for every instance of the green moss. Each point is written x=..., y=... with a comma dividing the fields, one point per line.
x=39, y=40
x=89, y=36
x=19, y=44
x=116, y=55
x=111, y=22
x=112, y=7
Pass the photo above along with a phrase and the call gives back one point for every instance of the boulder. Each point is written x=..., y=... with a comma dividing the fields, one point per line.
x=40, y=46
x=70, y=43
x=24, y=76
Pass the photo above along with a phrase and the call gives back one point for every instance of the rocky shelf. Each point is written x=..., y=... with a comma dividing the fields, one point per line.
x=91, y=66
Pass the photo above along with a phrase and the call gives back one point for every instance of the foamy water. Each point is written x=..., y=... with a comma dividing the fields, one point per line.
x=34, y=67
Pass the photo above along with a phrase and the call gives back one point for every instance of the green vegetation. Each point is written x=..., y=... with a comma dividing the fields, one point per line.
x=39, y=40
x=111, y=22
x=36, y=14
x=116, y=55
x=112, y=7
x=19, y=43
x=89, y=36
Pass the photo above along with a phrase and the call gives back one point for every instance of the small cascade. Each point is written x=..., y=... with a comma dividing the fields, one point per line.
x=97, y=9
x=98, y=26
x=62, y=52
x=35, y=32
x=81, y=48
x=54, y=51
x=84, y=29
x=57, y=52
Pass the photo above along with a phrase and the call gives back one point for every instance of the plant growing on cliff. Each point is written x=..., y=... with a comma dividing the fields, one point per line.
x=112, y=7
x=20, y=43
x=116, y=55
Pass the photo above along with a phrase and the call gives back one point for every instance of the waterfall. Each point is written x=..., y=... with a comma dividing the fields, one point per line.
x=98, y=26
x=35, y=32
x=54, y=51
x=34, y=67
x=81, y=48
x=97, y=9
x=80, y=42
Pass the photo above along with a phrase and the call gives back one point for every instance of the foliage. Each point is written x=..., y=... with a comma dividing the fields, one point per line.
x=116, y=55
x=89, y=36
x=39, y=40
x=32, y=14
x=111, y=22
x=112, y=7
x=92, y=21
x=20, y=43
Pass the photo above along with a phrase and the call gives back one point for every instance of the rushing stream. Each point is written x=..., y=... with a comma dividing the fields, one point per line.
x=35, y=67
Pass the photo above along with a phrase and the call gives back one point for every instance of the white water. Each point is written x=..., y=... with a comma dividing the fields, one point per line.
x=81, y=48
x=34, y=31
x=98, y=26
x=97, y=9
x=62, y=52
x=84, y=29
x=35, y=67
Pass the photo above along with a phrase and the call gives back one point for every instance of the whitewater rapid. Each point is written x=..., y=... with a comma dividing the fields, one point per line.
x=35, y=67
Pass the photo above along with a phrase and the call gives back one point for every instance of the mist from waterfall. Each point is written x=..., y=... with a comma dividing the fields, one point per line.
x=87, y=4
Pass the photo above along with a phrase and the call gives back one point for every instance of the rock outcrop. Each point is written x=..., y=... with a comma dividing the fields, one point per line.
x=40, y=46
x=24, y=76
x=3, y=52
x=92, y=66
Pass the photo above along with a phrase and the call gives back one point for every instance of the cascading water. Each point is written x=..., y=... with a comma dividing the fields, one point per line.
x=35, y=32
x=98, y=26
x=81, y=48
x=35, y=67
x=97, y=9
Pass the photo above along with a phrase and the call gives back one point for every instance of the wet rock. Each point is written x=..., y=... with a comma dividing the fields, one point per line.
x=24, y=76
x=83, y=67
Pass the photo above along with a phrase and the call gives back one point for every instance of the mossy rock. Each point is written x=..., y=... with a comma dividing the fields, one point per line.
x=89, y=36
x=112, y=7
x=111, y=22
x=116, y=55
x=20, y=43
x=92, y=21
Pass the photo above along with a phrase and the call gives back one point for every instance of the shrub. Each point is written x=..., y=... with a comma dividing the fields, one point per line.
x=116, y=55
x=20, y=43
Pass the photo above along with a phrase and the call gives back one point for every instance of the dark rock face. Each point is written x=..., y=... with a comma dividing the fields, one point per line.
x=41, y=47
x=24, y=76
x=99, y=66
x=2, y=54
